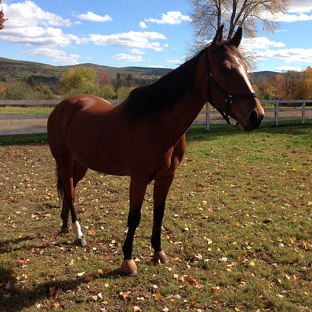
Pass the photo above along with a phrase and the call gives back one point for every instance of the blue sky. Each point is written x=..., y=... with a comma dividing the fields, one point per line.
x=143, y=33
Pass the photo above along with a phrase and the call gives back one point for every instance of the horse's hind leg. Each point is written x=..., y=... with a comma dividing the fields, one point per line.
x=68, y=180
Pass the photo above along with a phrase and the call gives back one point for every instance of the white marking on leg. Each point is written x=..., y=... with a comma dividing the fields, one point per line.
x=77, y=229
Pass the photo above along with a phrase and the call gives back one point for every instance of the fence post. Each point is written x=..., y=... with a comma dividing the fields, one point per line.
x=207, y=115
x=303, y=112
x=276, y=111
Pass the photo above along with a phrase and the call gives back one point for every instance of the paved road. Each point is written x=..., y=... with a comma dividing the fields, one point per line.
x=23, y=125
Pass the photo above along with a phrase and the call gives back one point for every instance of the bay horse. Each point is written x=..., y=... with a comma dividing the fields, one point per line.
x=144, y=136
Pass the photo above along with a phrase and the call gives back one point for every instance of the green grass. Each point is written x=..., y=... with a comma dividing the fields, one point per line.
x=25, y=110
x=237, y=229
x=23, y=139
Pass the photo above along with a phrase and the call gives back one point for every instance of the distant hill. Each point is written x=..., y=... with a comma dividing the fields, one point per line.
x=22, y=70
x=264, y=74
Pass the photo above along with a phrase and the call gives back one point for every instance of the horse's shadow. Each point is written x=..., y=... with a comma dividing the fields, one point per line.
x=5, y=245
x=14, y=298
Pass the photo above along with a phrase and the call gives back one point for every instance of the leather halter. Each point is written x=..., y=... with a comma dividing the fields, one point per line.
x=229, y=99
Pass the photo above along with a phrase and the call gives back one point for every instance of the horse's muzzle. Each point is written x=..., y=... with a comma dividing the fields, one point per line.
x=254, y=122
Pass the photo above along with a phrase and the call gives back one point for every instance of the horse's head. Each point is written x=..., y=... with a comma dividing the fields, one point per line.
x=228, y=87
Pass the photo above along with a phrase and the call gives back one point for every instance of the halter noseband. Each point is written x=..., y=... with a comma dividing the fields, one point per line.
x=229, y=99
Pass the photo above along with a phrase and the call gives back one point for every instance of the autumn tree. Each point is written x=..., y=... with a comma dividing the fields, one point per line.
x=266, y=88
x=208, y=15
x=2, y=19
x=104, y=80
x=303, y=87
x=79, y=80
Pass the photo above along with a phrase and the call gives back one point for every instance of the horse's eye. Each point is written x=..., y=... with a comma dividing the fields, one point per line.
x=223, y=70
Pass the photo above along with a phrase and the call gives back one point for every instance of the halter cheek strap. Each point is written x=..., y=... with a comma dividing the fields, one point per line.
x=229, y=99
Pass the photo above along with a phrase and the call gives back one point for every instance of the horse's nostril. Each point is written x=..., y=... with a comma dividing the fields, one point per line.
x=254, y=120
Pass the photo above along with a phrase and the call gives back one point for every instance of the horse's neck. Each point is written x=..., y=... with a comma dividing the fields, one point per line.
x=190, y=105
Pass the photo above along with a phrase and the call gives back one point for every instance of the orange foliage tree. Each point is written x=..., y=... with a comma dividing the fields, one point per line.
x=2, y=19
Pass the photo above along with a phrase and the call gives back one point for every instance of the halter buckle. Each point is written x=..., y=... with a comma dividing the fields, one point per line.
x=229, y=99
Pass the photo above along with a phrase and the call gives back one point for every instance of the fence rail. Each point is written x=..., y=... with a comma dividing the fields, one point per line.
x=275, y=111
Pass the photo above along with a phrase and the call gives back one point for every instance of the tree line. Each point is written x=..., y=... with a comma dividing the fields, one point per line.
x=76, y=80
x=290, y=85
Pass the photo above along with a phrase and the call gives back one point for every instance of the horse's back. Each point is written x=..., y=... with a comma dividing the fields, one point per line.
x=77, y=103
x=87, y=128
x=81, y=104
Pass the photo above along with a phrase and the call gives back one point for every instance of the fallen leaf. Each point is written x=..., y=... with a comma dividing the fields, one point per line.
x=91, y=232
x=52, y=290
x=8, y=285
x=56, y=305
x=124, y=295
x=22, y=261
x=80, y=274
x=88, y=278
x=157, y=296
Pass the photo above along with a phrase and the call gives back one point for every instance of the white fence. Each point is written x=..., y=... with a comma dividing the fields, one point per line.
x=275, y=111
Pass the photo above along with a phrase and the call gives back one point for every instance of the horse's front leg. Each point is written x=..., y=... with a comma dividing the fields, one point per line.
x=161, y=189
x=137, y=191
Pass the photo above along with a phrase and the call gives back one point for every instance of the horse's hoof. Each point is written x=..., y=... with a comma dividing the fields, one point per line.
x=65, y=230
x=81, y=242
x=160, y=257
x=129, y=267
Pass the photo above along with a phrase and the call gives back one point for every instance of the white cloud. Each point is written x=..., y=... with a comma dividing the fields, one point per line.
x=137, y=51
x=263, y=48
x=140, y=40
x=300, y=6
x=298, y=11
x=290, y=18
x=27, y=14
x=92, y=17
x=143, y=25
x=175, y=61
x=258, y=43
x=157, y=66
x=127, y=57
x=288, y=55
x=36, y=36
x=29, y=24
x=58, y=56
x=172, y=18
x=285, y=68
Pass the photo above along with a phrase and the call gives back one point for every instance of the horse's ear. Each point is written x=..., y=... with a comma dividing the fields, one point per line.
x=216, y=42
x=236, y=40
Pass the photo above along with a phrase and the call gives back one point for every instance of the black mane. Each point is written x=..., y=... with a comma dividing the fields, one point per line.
x=164, y=93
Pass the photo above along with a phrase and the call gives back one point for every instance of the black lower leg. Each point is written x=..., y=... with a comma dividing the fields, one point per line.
x=64, y=215
x=156, y=235
x=133, y=222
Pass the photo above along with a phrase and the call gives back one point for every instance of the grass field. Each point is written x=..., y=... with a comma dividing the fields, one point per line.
x=237, y=229
x=25, y=110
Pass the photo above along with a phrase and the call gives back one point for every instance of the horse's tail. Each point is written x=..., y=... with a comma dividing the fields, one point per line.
x=60, y=185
